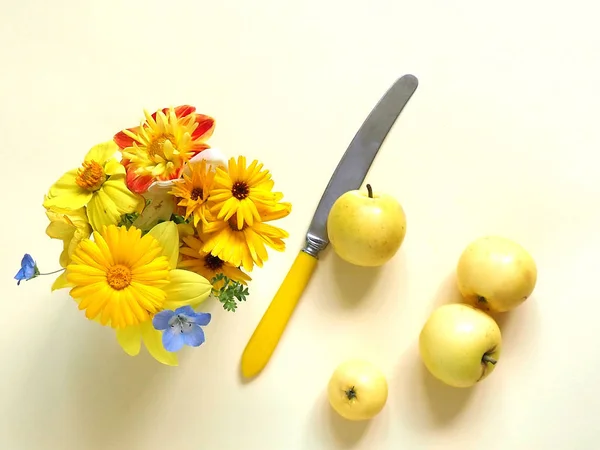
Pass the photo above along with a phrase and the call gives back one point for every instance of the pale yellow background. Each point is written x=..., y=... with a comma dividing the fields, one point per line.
x=501, y=137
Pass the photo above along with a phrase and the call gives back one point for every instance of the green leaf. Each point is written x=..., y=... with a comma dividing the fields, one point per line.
x=179, y=219
x=128, y=219
x=231, y=293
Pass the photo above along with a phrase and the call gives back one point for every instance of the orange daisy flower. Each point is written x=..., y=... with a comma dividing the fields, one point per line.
x=193, y=191
x=246, y=246
x=242, y=190
x=207, y=265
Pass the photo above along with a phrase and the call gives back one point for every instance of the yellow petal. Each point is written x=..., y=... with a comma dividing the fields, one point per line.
x=79, y=235
x=65, y=257
x=101, y=152
x=130, y=338
x=114, y=168
x=186, y=288
x=167, y=234
x=66, y=193
x=70, y=227
x=73, y=215
x=62, y=230
x=65, y=182
x=278, y=211
x=185, y=229
x=160, y=209
x=124, y=200
x=153, y=342
x=102, y=210
x=61, y=282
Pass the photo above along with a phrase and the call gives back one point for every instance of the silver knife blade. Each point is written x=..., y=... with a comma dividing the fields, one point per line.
x=356, y=161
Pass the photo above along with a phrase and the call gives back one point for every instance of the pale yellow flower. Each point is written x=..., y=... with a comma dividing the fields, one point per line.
x=71, y=227
x=99, y=185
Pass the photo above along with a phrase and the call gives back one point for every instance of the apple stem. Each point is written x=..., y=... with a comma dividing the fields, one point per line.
x=350, y=393
x=370, y=190
x=488, y=359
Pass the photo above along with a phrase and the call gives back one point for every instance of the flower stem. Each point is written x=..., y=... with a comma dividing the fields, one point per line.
x=50, y=273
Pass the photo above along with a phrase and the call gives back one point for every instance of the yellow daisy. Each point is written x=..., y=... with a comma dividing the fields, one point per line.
x=243, y=246
x=99, y=185
x=242, y=191
x=193, y=190
x=122, y=279
x=207, y=265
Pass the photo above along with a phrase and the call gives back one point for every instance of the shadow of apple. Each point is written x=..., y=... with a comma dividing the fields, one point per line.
x=434, y=404
x=332, y=428
x=502, y=319
x=346, y=433
x=447, y=292
x=520, y=327
x=353, y=282
x=445, y=402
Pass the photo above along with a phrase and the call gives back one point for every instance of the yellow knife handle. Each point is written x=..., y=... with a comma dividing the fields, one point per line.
x=261, y=345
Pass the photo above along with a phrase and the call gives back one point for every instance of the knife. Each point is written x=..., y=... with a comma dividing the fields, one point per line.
x=349, y=175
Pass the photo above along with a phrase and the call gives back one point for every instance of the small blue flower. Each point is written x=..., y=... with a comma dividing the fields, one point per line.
x=28, y=269
x=181, y=327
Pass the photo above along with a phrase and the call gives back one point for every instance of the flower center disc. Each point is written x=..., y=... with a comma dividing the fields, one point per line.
x=240, y=190
x=212, y=262
x=90, y=176
x=118, y=277
x=197, y=194
x=156, y=146
x=233, y=224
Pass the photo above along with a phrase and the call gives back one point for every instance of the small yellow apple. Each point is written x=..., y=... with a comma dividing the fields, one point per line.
x=366, y=228
x=357, y=390
x=496, y=274
x=460, y=345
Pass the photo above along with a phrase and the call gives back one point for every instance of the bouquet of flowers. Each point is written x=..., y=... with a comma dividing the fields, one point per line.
x=153, y=223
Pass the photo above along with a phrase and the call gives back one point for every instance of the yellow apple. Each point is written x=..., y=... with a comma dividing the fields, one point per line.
x=366, y=228
x=496, y=274
x=357, y=390
x=460, y=345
